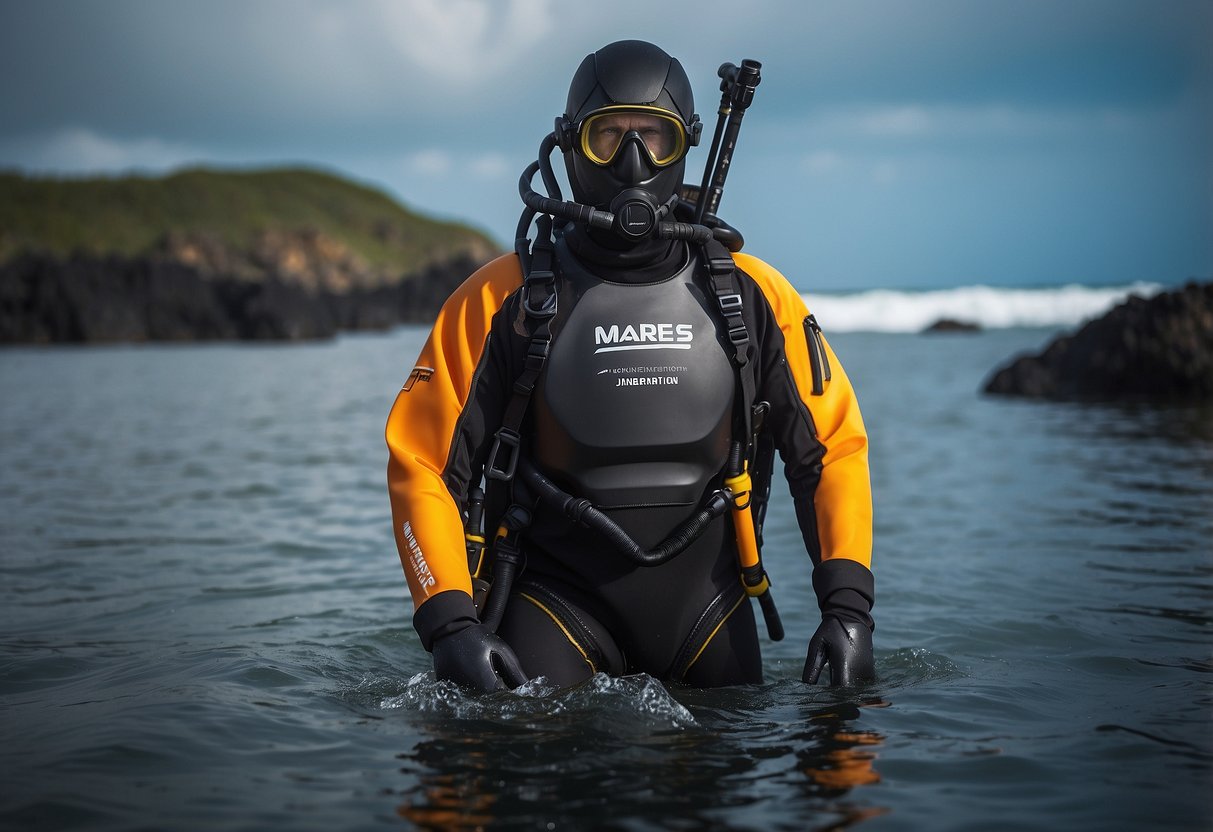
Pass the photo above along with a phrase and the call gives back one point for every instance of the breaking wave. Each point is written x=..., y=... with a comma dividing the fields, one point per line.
x=888, y=310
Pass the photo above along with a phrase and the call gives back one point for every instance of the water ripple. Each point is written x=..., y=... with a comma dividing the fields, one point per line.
x=630, y=704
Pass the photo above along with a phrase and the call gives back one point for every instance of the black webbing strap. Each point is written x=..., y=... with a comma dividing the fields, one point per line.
x=723, y=273
x=539, y=306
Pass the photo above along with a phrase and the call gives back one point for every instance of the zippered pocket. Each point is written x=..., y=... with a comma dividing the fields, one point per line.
x=819, y=364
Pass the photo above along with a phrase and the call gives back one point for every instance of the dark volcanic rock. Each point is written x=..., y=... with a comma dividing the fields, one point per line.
x=1159, y=349
x=952, y=325
x=113, y=299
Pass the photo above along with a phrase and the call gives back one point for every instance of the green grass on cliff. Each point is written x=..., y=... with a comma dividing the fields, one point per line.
x=131, y=215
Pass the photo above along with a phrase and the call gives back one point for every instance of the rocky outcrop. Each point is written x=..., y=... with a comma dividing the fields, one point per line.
x=1160, y=349
x=214, y=295
x=952, y=325
x=279, y=253
x=305, y=257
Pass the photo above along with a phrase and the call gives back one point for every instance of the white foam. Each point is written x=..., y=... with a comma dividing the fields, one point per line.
x=628, y=704
x=887, y=310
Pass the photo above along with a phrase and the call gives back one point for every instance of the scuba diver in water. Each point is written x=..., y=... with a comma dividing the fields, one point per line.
x=619, y=387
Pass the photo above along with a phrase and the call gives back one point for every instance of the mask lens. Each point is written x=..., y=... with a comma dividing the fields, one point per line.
x=602, y=134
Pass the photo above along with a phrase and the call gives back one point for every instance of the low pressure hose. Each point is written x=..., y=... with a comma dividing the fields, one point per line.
x=507, y=561
x=698, y=234
x=504, y=570
x=574, y=211
x=581, y=510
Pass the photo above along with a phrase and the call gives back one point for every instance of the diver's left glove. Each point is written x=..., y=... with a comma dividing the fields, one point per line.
x=477, y=658
x=845, y=592
x=464, y=650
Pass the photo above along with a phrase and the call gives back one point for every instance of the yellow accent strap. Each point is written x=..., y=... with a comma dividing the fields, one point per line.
x=563, y=629
x=712, y=635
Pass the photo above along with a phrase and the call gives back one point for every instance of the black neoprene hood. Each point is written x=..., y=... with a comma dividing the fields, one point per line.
x=630, y=72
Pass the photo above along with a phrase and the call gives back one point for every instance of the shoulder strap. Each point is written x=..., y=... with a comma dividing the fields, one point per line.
x=723, y=273
x=539, y=305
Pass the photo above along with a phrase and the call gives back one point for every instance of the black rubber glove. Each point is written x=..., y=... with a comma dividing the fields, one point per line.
x=846, y=647
x=474, y=657
x=845, y=591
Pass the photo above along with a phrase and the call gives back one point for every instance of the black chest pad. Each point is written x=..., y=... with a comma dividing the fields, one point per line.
x=635, y=404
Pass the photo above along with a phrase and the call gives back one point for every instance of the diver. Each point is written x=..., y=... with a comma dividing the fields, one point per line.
x=581, y=456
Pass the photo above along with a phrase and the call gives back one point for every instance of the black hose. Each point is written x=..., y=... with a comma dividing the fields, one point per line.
x=736, y=464
x=698, y=234
x=728, y=235
x=771, y=616
x=504, y=570
x=753, y=576
x=582, y=511
x=522, y=245
x=569, y=210
x=545, y=166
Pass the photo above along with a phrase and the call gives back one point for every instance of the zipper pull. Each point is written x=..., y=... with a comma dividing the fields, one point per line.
x=819, y=363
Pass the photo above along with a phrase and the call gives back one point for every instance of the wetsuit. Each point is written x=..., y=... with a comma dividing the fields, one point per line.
x=635, y=412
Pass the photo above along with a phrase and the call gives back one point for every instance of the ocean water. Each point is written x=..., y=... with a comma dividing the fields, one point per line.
x=204, y=623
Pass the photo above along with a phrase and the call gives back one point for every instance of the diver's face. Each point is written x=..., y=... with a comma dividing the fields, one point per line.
x=621, y=148
x=606, y=132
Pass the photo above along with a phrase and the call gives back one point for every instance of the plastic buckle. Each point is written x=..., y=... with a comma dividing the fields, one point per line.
x=721, y=265
x=495, y=471
x=539, y=349
x=536, y=278
x=738, y=335
x=730, y=304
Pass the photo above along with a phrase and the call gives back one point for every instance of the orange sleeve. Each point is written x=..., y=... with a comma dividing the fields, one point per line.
x=421, y=428
x=843, y=498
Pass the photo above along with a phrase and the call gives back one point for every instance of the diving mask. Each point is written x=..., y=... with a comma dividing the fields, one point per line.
x=662, y=135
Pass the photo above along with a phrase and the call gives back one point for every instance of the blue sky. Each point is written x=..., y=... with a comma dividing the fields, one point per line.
x=915, y=144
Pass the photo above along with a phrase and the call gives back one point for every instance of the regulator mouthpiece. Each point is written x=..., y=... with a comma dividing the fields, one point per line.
x=637, y=213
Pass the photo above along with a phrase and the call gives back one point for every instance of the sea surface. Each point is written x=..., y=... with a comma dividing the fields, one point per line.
x=204, y=622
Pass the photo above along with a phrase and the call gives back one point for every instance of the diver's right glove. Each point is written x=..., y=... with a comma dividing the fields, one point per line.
x=477, y=658
x=845, y=593
x=464, y=650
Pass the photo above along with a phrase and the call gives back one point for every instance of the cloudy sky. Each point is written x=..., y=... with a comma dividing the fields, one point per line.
x=903, y=143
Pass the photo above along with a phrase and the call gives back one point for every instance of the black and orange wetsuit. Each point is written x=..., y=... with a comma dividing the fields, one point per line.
x=633, y=411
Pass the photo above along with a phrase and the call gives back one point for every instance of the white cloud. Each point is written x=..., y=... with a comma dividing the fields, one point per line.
x=429, y=162
x=489, y=166
x=895, y=121
x=855, y=165
x=914, y=121
x=434, y=162
x=463, y=42
x=80, y=150
x=821, y=162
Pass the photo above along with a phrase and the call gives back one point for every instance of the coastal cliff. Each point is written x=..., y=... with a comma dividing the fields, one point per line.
x=205, y=255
